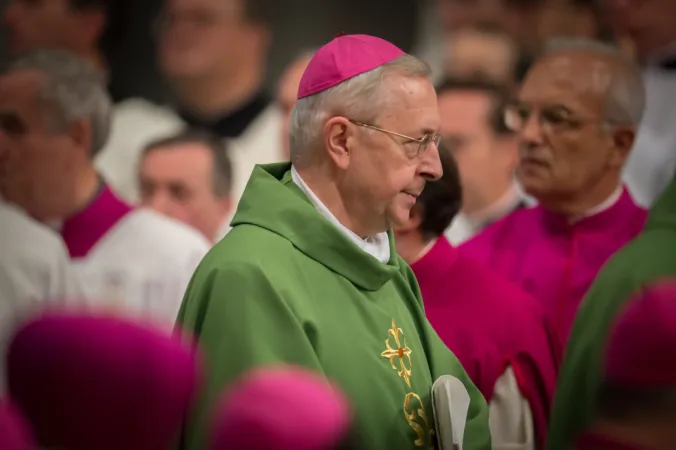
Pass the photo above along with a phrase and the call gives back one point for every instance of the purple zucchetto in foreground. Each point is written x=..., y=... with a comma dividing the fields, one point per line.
x=15, y=433
x=103, y=383
x=281, y=408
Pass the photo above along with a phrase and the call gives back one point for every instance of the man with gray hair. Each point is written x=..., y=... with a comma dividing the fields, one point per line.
x=576, y=119
x=54, y=118
x=309, y=274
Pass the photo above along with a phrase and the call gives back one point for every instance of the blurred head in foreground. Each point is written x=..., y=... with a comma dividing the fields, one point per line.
x=102, y=383
x=14, y=431
x=282, y=408
x=637, y=401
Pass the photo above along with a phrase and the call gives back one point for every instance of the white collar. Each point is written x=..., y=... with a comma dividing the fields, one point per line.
x=604, y=205
x=377, y=246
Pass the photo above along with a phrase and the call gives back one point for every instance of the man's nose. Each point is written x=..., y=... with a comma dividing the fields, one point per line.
x=161, y=203
x=531, y=130
x=430, y=164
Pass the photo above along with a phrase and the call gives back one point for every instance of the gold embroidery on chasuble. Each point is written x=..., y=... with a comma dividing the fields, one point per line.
x=399, y=355
x=416, y=416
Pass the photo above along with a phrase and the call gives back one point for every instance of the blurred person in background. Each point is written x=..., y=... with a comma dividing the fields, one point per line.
x=486, y=151
x=576, y=118
x=650, y=26
x=573, y=18
x=633, y=405
x=34, y=266
x=482, y=51
x=511, y=360
x=78, y=26
x=516, y=17
x=188, y=177
x=56, y=116
x=213, y=55
x=309, y=275
x=647, y=259
x=287, y=92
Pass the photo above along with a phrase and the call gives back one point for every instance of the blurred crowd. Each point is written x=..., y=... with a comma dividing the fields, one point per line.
x=190, y=274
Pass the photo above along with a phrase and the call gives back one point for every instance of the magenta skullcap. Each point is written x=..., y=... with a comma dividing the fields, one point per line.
x=280, y=408
x=102, y=383
x=15, y=433
x=343, y=58
x=643, y=339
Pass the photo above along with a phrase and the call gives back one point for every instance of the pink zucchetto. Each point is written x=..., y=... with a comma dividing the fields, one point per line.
x=278, y=409
x=96, y=382
x=15, y=433
x=343, y=58
x=643, y=339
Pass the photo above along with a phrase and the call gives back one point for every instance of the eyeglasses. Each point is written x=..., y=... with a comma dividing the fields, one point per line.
x=553, y=119
x=423, y=142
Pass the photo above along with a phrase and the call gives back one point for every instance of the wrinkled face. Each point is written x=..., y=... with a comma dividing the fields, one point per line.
x=200, y=37
x=564, y=146
x=483, y=159
x=178, y=181
x=37, y=159
x=385, y=174
x=287, y=94
x=35, y=24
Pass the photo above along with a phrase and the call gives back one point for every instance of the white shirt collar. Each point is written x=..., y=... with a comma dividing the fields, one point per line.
x=377, y=246
x=606, y=204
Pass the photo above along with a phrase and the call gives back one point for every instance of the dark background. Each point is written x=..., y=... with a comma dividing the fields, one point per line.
x=298, y=24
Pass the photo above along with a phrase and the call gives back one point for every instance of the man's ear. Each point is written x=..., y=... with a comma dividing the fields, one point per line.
x=81, y=133
x=623, y=140
x=337, y=137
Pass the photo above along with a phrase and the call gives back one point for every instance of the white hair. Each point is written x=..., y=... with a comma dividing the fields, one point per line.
x=73, y=90
x=626, y=92
x=360, y=98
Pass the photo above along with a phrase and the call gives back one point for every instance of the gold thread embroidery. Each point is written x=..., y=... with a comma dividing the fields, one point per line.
x=399, y=353
x=416, y=416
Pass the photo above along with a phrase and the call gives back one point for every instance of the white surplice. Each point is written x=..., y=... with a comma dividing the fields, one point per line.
x=135, y=262
x=34, y=272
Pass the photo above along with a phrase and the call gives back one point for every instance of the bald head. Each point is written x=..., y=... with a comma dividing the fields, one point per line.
x=600, y=70
x=287, y=92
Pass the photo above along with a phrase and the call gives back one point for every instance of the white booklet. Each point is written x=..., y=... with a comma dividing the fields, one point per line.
x=450, y=405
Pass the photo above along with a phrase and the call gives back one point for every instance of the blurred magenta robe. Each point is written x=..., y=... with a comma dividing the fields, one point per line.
x=489, y=324
x=553, y=259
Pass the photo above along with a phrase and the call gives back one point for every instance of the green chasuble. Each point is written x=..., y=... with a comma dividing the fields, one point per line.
x=648, y=258
x=287, y=286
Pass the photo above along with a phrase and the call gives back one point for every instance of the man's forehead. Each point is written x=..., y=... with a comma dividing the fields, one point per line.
x=575, y=74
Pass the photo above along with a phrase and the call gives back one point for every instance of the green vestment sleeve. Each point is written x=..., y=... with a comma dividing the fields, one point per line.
x=647, y=259
x=241, y=323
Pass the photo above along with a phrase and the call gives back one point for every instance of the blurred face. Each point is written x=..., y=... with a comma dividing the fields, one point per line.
x=178, y=181
x=34, y=24
x=384, y=174
x=565, y=150
x=460, y=13
x=38, y=160
x=486, y=163
x=202, y=37
x=650, y=23
x=470, y=52
x=287, y=93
